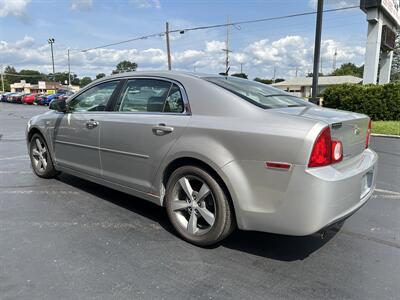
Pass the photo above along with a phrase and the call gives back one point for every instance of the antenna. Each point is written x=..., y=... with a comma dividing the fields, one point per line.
x=226, y=50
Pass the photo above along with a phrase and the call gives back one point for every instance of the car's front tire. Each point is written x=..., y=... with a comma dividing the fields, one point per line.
x=198, y=207
x=40, y=157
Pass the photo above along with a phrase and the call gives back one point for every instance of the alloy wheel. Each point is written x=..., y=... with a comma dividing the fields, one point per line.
x=193, y=205
x=39, y=156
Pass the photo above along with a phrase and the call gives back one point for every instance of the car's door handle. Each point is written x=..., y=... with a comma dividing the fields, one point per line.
x=91, y=124
x=162, y=129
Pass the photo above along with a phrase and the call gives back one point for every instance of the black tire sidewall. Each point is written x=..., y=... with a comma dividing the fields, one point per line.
x=214, y=235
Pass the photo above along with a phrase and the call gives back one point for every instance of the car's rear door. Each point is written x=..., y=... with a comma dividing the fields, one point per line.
x=76, y=134
x=150, y=115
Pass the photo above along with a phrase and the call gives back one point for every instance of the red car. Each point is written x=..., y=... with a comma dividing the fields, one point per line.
x=28, y=99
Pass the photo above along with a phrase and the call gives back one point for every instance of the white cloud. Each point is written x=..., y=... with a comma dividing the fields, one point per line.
x=146, y=3
x=215, y=46
x=13, y=7
x=258, y=58
x=81, y=4
x=334, y=3
x=27, y=41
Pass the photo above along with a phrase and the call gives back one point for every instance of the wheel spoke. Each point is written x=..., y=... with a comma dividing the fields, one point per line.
x=35, y=152
x=44, y=163
x=204, y=192
x=207, y=215
x=192, y=224
x=179, y=205
x=44, y=150
x=39, y=145
x=185, y=184
x=36, y=161
x=39, y=164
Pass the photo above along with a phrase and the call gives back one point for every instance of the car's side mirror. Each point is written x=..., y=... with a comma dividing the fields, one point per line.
x=59, y=105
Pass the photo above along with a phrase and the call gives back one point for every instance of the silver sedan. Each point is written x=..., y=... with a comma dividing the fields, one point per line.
x=218, y=152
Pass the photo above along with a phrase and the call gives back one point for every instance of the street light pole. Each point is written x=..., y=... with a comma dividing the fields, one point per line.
x=51, y=42
x=2, y=79
x=69, y=70
x=317, y=50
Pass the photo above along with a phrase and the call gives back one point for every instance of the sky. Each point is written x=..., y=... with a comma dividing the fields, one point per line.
x=285, y=45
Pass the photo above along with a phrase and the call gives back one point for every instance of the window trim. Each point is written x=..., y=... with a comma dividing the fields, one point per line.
x=186, y=107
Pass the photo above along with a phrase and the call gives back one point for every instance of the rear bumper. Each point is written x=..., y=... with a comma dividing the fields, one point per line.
x=303, y=200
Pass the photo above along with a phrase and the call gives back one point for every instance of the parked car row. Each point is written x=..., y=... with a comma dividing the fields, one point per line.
x=34, y=98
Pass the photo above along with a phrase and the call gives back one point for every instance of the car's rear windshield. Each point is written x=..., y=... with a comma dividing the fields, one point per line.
x=257, y=93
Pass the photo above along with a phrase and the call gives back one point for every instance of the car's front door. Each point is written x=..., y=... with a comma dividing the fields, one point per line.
x=150, y=115
x=76, y=134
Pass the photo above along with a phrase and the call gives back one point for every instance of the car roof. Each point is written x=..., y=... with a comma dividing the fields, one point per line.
x=161, y=73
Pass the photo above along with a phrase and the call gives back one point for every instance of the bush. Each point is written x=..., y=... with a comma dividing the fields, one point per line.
x=380, y=102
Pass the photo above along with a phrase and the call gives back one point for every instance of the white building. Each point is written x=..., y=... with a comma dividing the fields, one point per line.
x=301, y=86
x=42, y=86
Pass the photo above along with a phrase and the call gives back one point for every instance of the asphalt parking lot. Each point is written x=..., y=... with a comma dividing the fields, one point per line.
x=67, y=238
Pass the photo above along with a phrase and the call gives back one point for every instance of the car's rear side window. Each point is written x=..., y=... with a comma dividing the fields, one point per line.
x=150, y=95
x=260, y=94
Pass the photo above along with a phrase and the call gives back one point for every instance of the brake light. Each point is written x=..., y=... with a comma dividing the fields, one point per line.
x=325, y=151
x=321, y=154
x=368, y=134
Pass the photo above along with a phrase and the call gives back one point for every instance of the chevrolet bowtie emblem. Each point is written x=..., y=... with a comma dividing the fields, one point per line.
x=356, y=130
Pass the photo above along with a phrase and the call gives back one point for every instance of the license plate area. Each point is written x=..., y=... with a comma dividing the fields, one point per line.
x=366, y=183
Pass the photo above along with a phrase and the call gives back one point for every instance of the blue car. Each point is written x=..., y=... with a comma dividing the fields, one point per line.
x=47, y=100
x=3, y=97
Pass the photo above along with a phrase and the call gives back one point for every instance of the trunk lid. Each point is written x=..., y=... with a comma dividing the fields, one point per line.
x=348, y=127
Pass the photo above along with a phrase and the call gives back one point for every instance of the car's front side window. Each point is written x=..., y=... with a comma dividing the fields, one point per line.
x=94, y=99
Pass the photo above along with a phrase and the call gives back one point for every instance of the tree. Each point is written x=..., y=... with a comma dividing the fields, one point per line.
x=240, y=75
x=268, y=81
x=311, y=74
x=85, y=81
x=395, y=75
x=31, y=76
x=265, y=81
x=125, y=66
x=61, y=77
x=100, y=75
x=349, y=69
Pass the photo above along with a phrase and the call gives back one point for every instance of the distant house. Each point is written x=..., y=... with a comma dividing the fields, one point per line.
x=42, y=86
x=301, y=86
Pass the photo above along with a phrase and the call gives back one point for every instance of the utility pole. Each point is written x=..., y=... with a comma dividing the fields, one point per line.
x=168, y=47
x=317, y=49
x=297, y=68
x=334, y=60
x=51, y=42
x=273, y=79
x=226, y=50
x=2, y=79
x=241, y=68
x=69, y=70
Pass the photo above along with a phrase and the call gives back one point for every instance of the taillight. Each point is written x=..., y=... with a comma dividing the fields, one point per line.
x=368, y=134
x=325, y=151
x=337, y=151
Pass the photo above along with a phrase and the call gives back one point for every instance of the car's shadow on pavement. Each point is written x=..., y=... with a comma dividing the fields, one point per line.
x=272, y=246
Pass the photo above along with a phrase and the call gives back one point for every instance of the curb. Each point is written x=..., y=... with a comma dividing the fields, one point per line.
x=385, y=135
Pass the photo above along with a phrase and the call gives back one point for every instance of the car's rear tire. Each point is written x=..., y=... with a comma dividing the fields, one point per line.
x=198, y=207
x=40, y=157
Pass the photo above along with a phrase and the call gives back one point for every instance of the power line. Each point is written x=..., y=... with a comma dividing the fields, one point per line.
x=184, y=30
